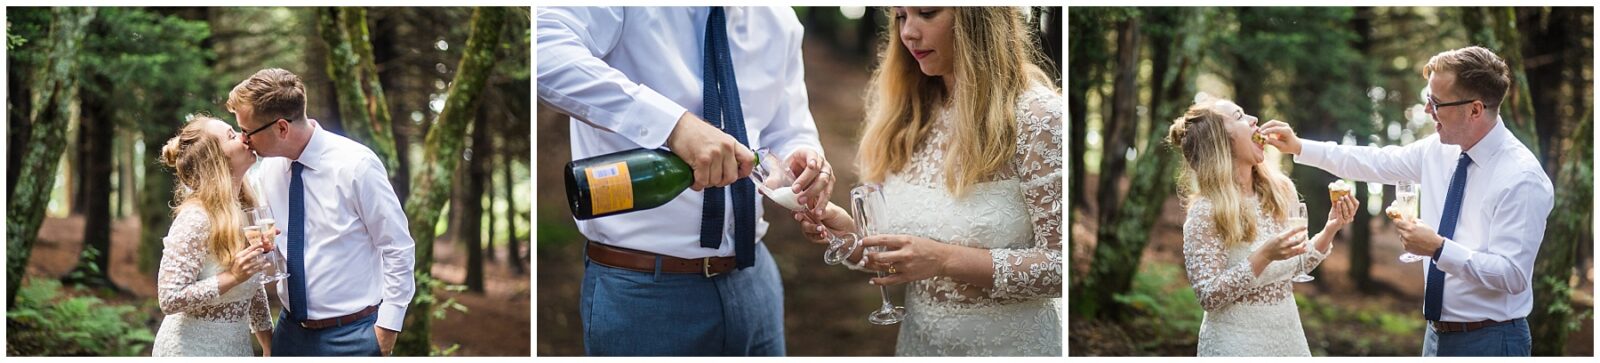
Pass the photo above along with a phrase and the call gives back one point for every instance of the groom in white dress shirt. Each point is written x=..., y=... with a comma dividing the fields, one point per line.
x=684, y=278
x=344, y=234
x=1482, y=190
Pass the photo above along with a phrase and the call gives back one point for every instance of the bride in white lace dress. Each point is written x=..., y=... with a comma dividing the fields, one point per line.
x=208, y=285
x=970, y=165
x=1237, y=248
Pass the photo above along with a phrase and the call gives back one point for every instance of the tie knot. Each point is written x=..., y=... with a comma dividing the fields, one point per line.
x=1464, y=159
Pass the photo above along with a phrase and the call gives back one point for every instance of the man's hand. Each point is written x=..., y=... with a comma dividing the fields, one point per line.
x=717, y=159
x=814, y=178
x=1281, y=136
x=386, y=339
x=1419, y=238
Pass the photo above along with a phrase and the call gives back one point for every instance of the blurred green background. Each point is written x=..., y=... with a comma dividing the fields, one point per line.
x=1350, y=75
x=825, y=307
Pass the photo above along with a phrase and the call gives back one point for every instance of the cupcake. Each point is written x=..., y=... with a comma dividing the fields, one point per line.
x=1338, y=189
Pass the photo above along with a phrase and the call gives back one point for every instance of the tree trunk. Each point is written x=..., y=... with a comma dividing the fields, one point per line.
x=1567, y=230
x=1517, y=107
x=1122, y=241
x=470, y=234
x=441, y=150
x=1545, y=43
x=55, y=90
x=1361, y=228
x=513, y=255
x=1120, y=128
x=1247, y=74
x=355, y=79
x=97, y=130
x=1087, y=45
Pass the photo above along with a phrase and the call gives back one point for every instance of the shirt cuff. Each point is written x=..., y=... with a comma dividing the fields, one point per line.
x=1312, y=153
x=391, y=315
x=1453, y=257
x=650, y=119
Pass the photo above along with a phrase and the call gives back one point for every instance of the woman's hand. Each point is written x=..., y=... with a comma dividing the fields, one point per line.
x=1282, y=247
x=832, y=217
x=1343, y=211
x=265, y=242
x=813, y=178
x=906, y=258
x=246, y=262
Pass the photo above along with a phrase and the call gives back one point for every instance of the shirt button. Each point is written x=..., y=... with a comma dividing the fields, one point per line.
x=644, y=132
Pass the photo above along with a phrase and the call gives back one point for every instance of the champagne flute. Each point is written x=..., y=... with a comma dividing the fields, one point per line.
x=258, y=221
x=776, y=181
x=866, y=207
x=1406, y=202
x=1297, y=218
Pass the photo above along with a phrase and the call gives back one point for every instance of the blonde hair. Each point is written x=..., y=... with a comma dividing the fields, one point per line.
x=270, y=94
x=902, y=102
x=1202, y=139
x=1479, y=73
x=204, y=181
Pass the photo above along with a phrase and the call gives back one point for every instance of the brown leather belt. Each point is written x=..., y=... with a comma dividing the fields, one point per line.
x=339, y=321
x=1451, y=327
x=635, y=260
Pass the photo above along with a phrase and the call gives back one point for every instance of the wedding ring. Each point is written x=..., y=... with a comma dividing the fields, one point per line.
x=892, y=271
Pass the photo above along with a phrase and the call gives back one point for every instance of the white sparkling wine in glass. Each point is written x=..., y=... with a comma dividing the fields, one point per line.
x=1297, y=222
x=267, y=224
x=1297, y=219
x=1406, y=203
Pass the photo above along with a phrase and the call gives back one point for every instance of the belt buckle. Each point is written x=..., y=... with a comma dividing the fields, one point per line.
x=303, y=325
x=705, y=268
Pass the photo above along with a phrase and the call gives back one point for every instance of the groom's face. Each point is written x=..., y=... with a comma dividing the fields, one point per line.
x=1452, y=122
x=263, y=143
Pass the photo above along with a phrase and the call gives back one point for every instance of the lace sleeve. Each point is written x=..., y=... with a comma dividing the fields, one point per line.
x=1216, y=283
x=179, y=284
x=1036, y=271
x=260, y=318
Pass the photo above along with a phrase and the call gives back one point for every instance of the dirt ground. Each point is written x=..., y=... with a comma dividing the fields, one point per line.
x=825, y=307
x=496, y=324
x=1400, y=284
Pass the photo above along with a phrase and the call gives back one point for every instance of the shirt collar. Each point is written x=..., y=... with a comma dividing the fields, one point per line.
x=1491, y=143
x=312, y=156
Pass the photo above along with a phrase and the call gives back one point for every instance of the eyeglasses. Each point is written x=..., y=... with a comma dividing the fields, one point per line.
x=1434, y=104
x=264, y=128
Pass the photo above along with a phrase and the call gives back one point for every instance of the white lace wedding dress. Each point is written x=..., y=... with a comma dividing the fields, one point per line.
x=1245, y=314
x=1016, y=215
x=202, y=321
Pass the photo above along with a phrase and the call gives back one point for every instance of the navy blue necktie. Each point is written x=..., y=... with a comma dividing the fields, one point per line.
x=721, y=106
x=1433, y=301
x=297, y=244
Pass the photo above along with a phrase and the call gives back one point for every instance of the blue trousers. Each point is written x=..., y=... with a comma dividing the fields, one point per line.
x=354, y=339
x=1508, y=340
x=631, y=313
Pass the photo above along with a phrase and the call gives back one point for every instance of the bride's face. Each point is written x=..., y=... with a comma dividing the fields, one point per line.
x=927, y=33
x=1239, y=127
x=239, y=157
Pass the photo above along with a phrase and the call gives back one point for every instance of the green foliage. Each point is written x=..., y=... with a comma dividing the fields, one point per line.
x=48, y=322
x=436, y=352
x=1164, y=306
x=1362, y=330
x=149, y=68
x=1558, y=287
x=428, y=291
x=556, y=230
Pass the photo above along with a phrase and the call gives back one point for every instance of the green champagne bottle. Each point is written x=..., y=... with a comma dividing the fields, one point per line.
x=625, y=181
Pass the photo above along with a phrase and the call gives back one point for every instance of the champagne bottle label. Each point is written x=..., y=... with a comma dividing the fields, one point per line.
x=610, y=188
